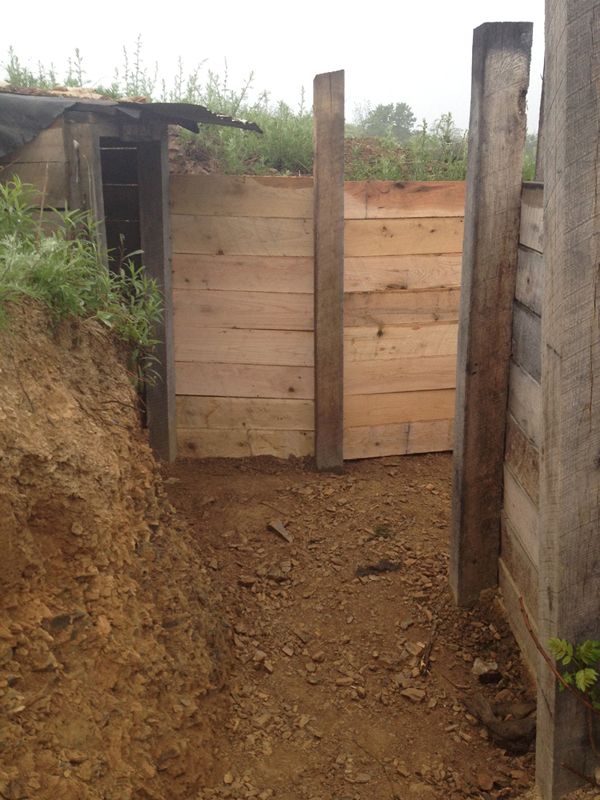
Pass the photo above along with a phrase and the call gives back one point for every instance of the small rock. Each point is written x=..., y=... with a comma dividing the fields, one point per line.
x=278, y=527
x=485, y=782
x=363, y=777
x=416, y=695
x=228, y=779
x=346, y=682
x=289, y=651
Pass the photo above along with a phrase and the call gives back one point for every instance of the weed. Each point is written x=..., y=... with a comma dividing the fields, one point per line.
x=582, y=658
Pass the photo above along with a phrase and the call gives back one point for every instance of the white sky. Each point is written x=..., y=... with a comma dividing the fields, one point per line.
x=413, y=52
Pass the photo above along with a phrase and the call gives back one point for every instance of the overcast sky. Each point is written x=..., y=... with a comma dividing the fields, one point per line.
x=413, y=52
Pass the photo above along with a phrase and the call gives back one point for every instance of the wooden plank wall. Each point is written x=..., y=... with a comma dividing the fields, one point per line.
x=519, y=560
x=243, y=310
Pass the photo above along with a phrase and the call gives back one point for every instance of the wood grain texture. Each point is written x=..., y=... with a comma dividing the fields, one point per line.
x=525, y=403
x=399, y=307
x=242, y=236
x=222, y=443
x=397, y=408
x=242, y=196
x=497, y=129
x=528, y=289
x=520, y=566
x=523, y=515
x=243, y=273
x=381, y=273
x=386, y=342
x=532, y=216
x=244, y=380
x=512, y=609
x=400, y=375
x=52, y=174
x=232, y=346
x=329, y=244
x=569, y=475
x=395, y=199
x=245, y=413
x=255, y=310
x=526, y=340
x=523, y=459
x=48, y=145
x=398, y=237
x=375, y=441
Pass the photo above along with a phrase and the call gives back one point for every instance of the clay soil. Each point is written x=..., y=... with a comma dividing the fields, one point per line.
x=326, y=698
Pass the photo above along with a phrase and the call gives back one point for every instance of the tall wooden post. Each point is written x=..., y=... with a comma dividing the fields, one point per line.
x=497, y=129
x=569, y=576
x=155, y=232
x=329, y=270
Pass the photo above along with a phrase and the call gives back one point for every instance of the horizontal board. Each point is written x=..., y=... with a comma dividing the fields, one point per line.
x=525, y=402
x=523, y=459
x=241, y=196
x=519, y=565
x=243, y=380
x=400, y=375
x=239, y=236
x=243, y=273
x=222, y=443
x=395, y=199
x=35, y=174
x=376, y=274
x=398, y=307
x=398, y=341
x=527, y=340
x=245, y=413
x=532, y=215
x=397, y=237
x=255, y=310
x=528, y=290
x=396, y=440
x=510, y=601
x=522, y=514
x=397, y=408
x=231, y=346
x=49, y=145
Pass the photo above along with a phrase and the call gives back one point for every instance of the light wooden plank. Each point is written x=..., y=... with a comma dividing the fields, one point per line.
x=245, y=412
x=398, y=237
x=525, y=402
x=232, y=346
x=399, y=341
x=242, y=196
x=523, y=515
x=397, y=408
x=569, y=474
x=243, y=273
x=395, y=199
x=328, y=170
x=242, y=236
x=532, y=216
x=528, y=289
x=48, y=145
x=497, y=130
x=512, y=609
x=379, y=273
x=222, y=443
x=391, y=440
x=255, y=310
x=398, y=307
x=400, y=375
x=243, y=380
x=526, y=345
x=523, y=459
x=520, y=566
x=52, y=174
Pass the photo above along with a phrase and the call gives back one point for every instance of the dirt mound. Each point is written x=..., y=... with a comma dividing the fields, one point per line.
x=109, y=647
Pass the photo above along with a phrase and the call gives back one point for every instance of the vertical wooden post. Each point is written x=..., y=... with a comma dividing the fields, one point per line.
x=155, y=231
x=569, y=576
x=329, y=270
x=497, y=129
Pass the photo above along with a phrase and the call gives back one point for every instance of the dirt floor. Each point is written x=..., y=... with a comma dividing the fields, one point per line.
x=330, y=628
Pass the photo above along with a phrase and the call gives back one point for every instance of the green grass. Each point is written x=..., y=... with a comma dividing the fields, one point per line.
x=63, y=270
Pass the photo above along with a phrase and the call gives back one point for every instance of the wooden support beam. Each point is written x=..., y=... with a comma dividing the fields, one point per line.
x=329, y=270
x=569, y=577
x=155, y=230
x=497, y=128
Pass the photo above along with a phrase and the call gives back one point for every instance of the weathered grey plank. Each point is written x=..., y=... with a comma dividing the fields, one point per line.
x=529, y=279
x=520, y=566
x=524, y=402
x=510, y=599
x=523, y=459
x=526, y=346
x=501, y=55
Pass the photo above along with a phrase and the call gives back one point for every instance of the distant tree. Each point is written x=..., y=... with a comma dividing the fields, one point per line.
x=396, y=120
